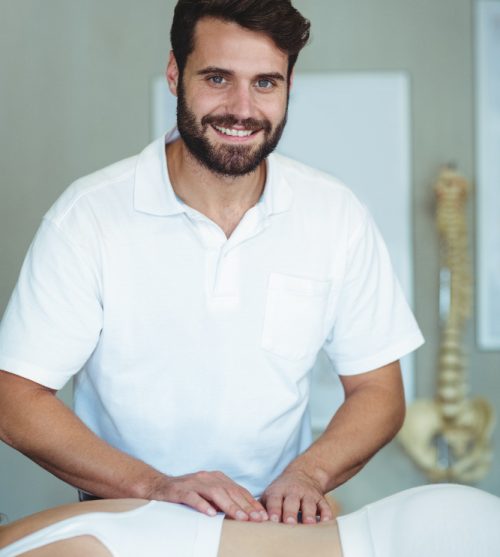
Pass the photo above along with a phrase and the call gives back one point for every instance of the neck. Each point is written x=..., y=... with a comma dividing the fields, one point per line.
x=223, y=199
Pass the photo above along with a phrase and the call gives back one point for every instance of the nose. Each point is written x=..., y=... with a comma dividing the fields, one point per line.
x=240, y=101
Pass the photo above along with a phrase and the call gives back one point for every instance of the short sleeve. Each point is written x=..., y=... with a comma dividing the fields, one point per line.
x=54, y=317
x=374, y=325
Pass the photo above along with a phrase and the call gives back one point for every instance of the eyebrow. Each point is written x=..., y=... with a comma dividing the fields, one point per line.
x=272, y=75
x=228, y=73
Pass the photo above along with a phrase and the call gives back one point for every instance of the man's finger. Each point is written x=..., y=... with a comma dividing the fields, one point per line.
x=195, y=501
x=237, y=501
x=274, y=507
x=238, y=491
x=251, y=506
x=309, y=510
x=220, y=497
x=325, y=511
x=291, y=506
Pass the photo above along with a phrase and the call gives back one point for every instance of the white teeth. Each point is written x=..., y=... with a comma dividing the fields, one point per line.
x=234, y=133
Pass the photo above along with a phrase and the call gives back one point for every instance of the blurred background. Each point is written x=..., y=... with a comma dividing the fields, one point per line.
x=75, y=95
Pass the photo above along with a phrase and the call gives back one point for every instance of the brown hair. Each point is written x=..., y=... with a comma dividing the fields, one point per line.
x=278, y=19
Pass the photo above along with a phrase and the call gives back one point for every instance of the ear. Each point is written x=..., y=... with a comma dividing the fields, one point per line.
x=172, y=74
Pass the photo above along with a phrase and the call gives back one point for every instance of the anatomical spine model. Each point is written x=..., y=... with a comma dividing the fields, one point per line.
x=449, y=437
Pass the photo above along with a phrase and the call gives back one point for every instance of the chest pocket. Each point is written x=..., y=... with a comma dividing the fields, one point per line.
x=294, y=316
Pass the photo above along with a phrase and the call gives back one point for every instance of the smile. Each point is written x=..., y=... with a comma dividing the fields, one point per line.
x=234, y=133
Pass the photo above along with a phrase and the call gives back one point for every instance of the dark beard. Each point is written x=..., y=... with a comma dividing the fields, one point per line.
x=225, y=160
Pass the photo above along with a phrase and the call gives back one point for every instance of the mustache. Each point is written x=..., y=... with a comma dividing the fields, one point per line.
x=229, y=120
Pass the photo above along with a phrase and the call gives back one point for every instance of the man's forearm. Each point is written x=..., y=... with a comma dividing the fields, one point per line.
x=36, y=423
x=369, y=418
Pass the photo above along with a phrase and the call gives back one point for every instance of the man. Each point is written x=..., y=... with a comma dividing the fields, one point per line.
x=188, y=290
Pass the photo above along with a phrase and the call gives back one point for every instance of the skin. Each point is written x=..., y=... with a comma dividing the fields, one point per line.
x=237, y=538
x=372, y=414
x=249, y=80
x=227, y=73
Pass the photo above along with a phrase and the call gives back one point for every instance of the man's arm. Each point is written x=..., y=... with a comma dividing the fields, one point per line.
x=371, y=415
x=35, y=422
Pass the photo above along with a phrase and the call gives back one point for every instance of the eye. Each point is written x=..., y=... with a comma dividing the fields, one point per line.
x=216, y=80
x=265, y=84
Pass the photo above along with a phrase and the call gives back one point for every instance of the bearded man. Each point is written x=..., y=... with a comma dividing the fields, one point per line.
x=188, y=291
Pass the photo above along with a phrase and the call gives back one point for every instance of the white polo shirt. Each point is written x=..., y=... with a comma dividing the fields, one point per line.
x=192, y=351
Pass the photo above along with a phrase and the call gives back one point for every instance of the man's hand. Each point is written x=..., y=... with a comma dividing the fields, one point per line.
x=292, y=492
x=372, y=413
x=209, y=492
x=35, y=422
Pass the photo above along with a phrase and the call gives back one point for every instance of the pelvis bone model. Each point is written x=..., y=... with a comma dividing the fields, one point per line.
x=449, y=436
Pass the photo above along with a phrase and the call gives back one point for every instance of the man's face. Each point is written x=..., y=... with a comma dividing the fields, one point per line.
x=232, y=97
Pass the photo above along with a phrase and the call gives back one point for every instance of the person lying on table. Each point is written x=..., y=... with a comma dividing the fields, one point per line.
x=431, y=521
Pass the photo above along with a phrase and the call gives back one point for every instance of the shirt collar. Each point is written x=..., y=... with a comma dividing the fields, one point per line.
x=153, y=192
x=277, y=196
